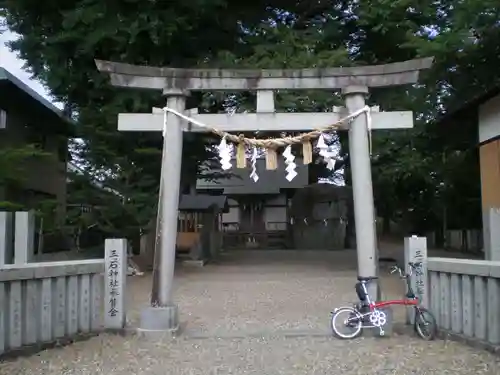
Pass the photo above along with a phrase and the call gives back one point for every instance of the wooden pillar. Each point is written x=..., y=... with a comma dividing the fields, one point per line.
x=489, y=157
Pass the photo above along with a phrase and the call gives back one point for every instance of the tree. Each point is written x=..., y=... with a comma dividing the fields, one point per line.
x=13, y=160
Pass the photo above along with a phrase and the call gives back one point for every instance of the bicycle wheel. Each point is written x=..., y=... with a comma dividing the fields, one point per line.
x=349, y=319
x=425, y=324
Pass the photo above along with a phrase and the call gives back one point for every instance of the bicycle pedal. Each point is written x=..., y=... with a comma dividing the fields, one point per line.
x=382, y=333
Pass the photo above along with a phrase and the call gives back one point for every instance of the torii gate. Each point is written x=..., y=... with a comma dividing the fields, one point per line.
x=175, y=84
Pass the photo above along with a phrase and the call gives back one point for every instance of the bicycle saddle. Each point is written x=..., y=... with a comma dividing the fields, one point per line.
x=367, y=278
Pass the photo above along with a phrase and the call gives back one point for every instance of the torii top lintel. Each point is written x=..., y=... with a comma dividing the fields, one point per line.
x=171, y=79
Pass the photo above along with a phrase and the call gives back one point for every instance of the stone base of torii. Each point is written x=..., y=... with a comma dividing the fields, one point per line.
x=162, y=315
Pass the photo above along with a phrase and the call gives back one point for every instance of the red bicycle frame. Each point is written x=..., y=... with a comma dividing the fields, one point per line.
x=410, y=299
x=404, y=302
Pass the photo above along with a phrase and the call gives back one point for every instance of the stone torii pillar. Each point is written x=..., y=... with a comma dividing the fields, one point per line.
x=175, y=83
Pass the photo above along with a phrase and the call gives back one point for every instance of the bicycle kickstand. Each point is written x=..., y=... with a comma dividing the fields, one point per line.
x=382, y=332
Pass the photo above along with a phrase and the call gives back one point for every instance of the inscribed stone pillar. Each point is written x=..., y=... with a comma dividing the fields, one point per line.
x=115, y=253
x=416, y=251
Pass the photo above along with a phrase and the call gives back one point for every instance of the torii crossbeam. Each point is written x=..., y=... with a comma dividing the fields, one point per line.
x=176, y=84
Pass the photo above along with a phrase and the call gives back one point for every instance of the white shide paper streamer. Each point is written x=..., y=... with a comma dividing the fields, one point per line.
x=224, y=155
x=253, y=175
x=290, y=165
x=327, y=155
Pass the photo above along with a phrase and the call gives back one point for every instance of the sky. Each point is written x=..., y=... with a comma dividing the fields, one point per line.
x=10, y=61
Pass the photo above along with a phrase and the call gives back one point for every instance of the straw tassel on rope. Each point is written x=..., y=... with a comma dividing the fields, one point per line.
x=241, y=159
x=271, y=158
x=307, y=151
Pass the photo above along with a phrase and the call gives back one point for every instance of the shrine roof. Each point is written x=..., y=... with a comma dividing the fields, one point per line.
x=16, y=93
x=203, y=202
x=468, y=105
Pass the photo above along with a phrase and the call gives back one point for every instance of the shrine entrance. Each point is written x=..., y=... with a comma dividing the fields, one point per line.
x=252, y=217
x=174, y=119
x=252, y=223
x=261, y=223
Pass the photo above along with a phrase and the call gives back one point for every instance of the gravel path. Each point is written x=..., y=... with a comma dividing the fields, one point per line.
x=264, y=291
x=264, y=356
x=261, y=292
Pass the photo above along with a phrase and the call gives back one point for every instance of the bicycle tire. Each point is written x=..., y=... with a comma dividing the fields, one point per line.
x=429, y=320
x=357, y=329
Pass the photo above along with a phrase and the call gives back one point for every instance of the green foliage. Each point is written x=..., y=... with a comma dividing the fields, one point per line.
x=13, y=162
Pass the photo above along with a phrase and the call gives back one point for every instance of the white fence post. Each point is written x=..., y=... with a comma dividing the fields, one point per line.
x=6, y=251
x=491, y=233
x=416, y=251
x=115, y=279
x=24, y=240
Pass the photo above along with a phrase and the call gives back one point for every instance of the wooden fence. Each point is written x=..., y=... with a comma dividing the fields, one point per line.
x=465, y=297
x=463, y=294
x=41, y=303
x=466, y=240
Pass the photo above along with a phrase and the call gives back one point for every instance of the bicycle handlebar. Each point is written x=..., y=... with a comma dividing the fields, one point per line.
x=413, y=266
x=397, y=269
